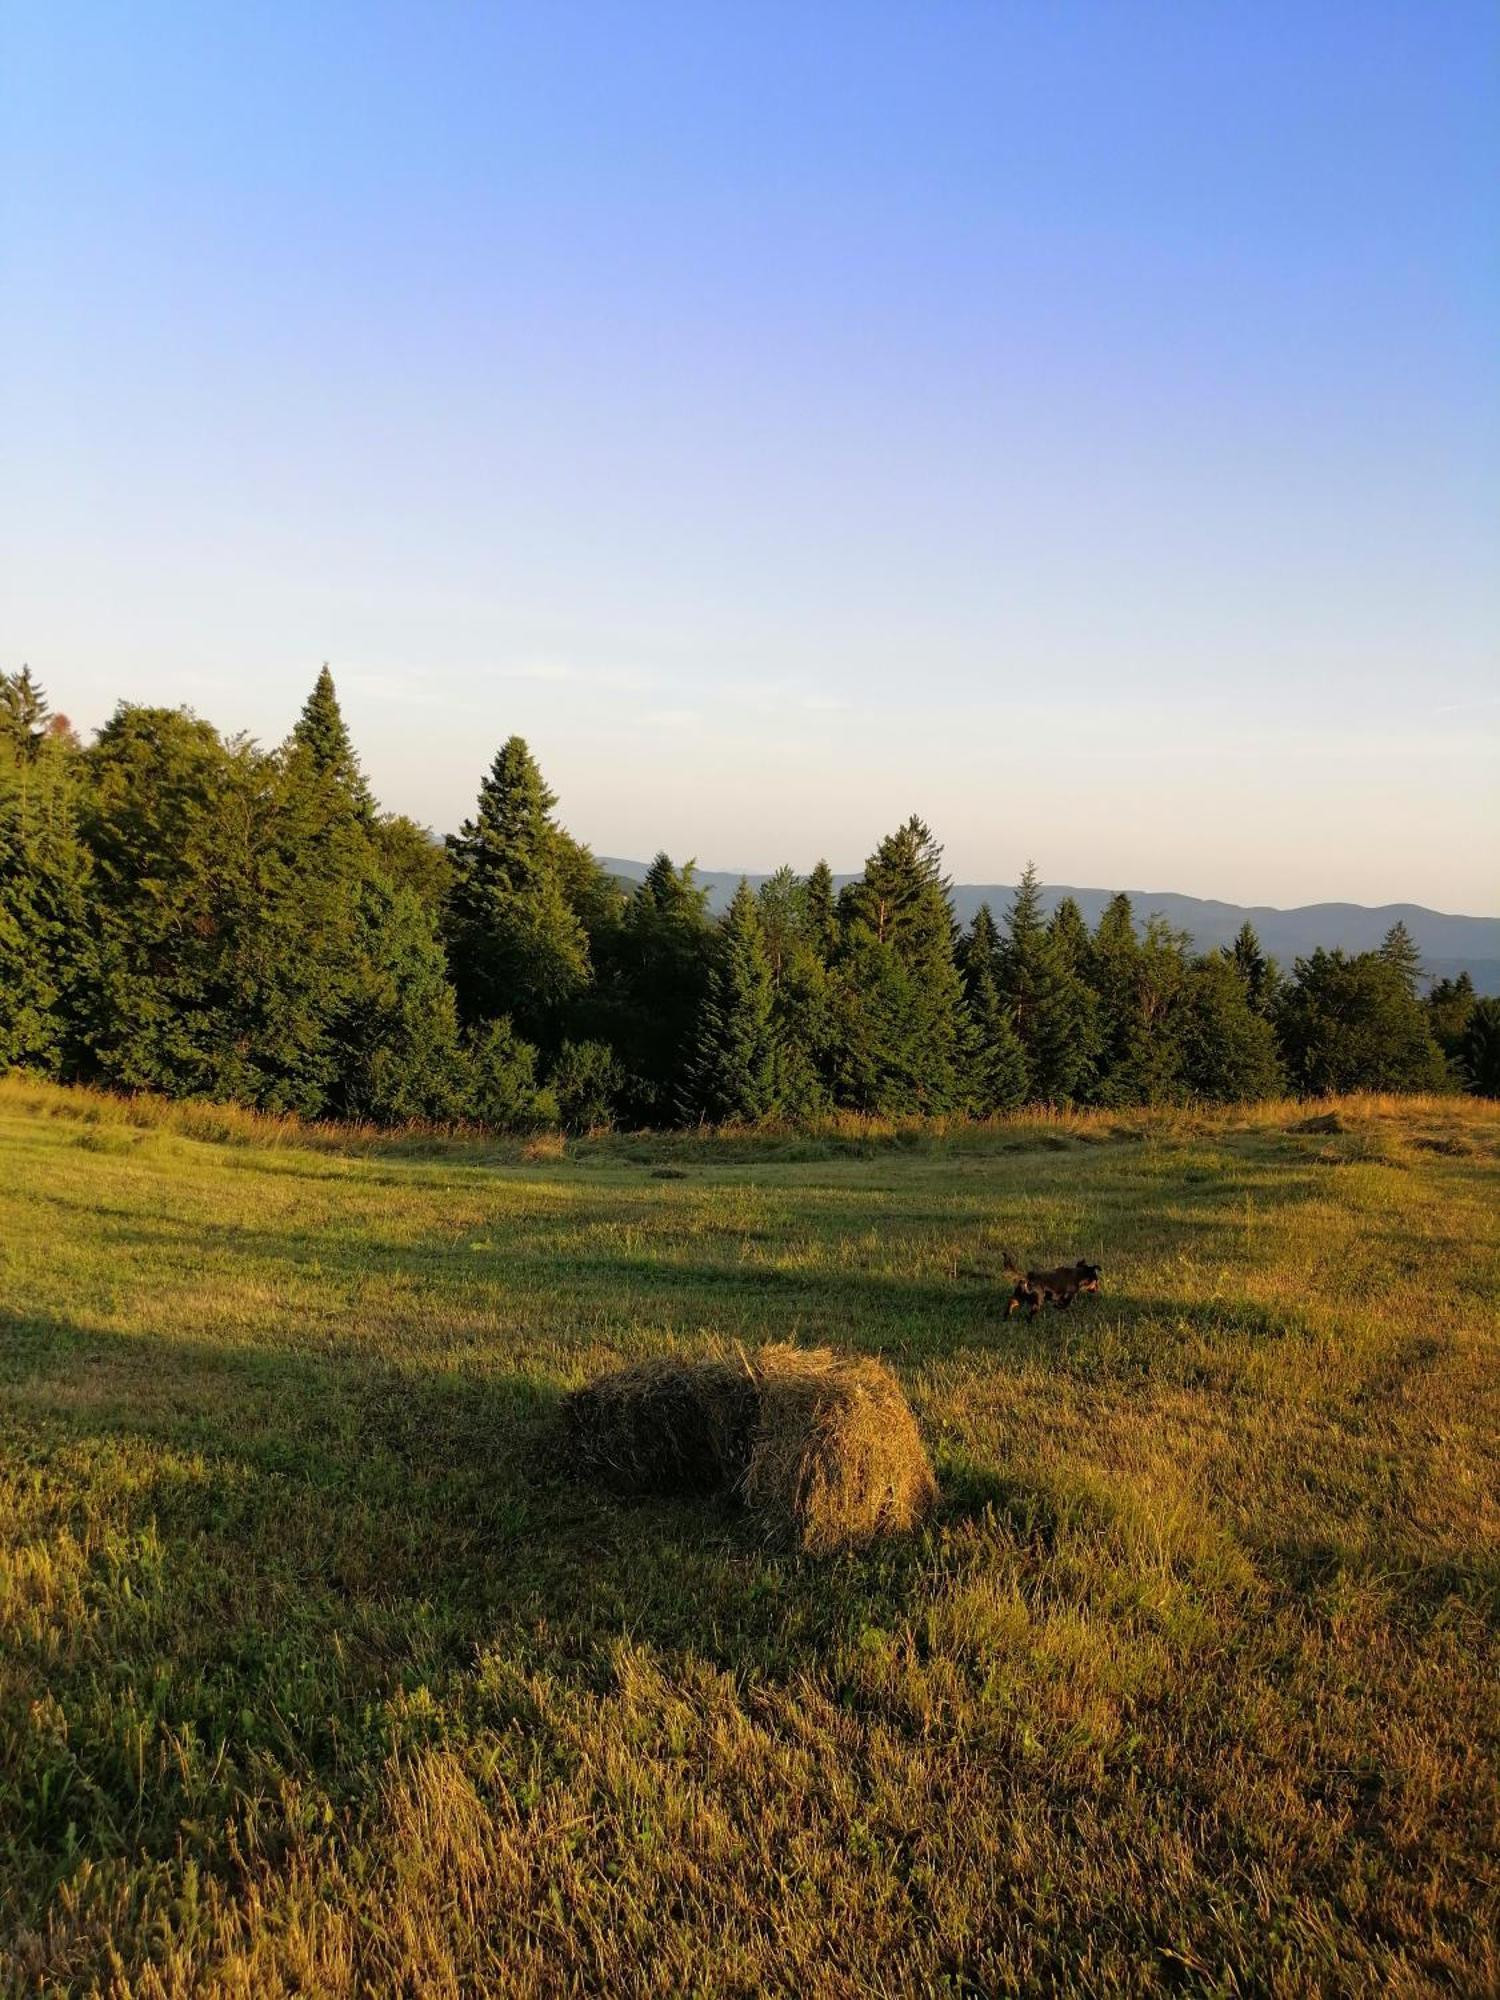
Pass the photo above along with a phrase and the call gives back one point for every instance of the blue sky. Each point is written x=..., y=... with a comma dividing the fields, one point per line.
x=1078, y=424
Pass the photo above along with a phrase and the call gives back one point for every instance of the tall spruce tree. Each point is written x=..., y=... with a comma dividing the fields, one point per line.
x=1262, y=980
x=801, y=1014
x=820, y=919
x=1070, y=936
x=1001, y=1075
x=515, y=944
x=658, y=976
x=1399, y=950
x=322, y=737
x=1047, y=1001
x=904, y=1043
x=731, y=1076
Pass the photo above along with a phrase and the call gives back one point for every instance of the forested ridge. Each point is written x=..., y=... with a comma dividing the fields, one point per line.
x=193, y=914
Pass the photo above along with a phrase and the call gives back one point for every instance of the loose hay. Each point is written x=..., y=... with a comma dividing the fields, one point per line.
x=822, y=1447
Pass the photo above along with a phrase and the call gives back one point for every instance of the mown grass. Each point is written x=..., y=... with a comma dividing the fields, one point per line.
x=320, y=1674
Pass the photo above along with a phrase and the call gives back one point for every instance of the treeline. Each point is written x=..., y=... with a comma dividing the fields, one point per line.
x=186, y=913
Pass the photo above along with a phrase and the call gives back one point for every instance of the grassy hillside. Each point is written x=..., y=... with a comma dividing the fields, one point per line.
x=318, y=1673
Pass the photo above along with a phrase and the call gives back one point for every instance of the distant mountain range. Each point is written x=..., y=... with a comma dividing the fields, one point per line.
x=1449, y=945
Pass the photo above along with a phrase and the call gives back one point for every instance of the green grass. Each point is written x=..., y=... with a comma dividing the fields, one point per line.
x=319, y=1674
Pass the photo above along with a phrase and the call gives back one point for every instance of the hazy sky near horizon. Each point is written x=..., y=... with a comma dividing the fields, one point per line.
x=1079, y=424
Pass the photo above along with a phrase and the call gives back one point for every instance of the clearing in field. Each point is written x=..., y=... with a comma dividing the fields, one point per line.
x=320, y=1672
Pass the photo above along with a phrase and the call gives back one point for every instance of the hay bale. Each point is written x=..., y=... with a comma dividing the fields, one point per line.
x=837, y=1460
x=823, y=1447
x=665, y=1425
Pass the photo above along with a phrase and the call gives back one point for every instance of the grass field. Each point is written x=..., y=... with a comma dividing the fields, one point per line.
x=319, y=1674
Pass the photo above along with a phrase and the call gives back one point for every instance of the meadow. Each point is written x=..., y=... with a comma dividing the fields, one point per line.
x=321, y=1673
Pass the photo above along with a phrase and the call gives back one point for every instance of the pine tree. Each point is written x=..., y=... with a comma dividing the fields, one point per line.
x=1138, y=982
x=1262, y=980
x=903, y=1041
x=1047, y=1002
x=323, y=739
x=1000, y=1068
x=1449, y=1006
x=1227, y=1051
x=396, y=1031
x=1070, y=936
x=653, y=986
x=820, y=919
x=23, y=714
x=515, y=945
x=801, y=1016
x=1398, y=949
x=732, y=1074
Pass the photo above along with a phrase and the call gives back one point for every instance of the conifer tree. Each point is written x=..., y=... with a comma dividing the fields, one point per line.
x=1355, y=1024
x=801, y=1016
x=322, y=737
x=1449, y=1006
x=1226, y=1049
x=515, y=945
x=1262, y=980
x=1478, y=1055
x=657, y=978
x=731, y=1076
x=45, y=940
x=1070, y=936
x=1398, y=949
x=904, y=1042
x=820, y=919
x=1047, y=1002
x=1000, y=1066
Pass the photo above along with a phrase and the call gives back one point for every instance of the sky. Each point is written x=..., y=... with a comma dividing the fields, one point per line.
x=1077, y=424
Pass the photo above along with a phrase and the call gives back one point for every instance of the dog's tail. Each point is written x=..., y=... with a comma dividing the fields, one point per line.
x=1009, y=1265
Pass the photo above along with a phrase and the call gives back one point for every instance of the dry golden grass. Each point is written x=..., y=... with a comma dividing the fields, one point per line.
x=317, y=1676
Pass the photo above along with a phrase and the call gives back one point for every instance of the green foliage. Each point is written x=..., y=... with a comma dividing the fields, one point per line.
x=1048, y=1001
x=321, y=737
x=1260, y=974
x=44, y=936
x=1227, y=1048
x=796, y=919
x=1399, y=951
x=1449, y=1005
x=1356, y=1024
x=412, y=857
x=396, y=1033
x=194, y=916
x=731, y=1076
x=656, y=980
x=903, y=1035
x=586, y=1084
x=500, y=1080
x=1000, y=1069
x=515, y=944
x=1478, y=1052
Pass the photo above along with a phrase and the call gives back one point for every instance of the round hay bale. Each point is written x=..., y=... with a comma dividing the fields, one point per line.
x=822, y=1446
x=837, y=1460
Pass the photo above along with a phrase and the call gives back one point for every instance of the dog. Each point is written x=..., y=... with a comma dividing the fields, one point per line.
x=1058, y=1288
